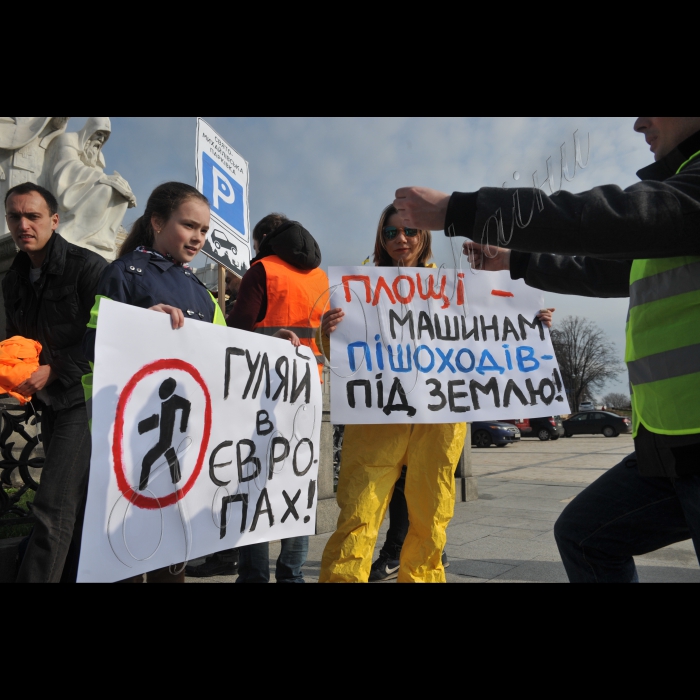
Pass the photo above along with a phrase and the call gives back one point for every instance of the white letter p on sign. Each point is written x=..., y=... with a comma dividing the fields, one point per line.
x=222, y=189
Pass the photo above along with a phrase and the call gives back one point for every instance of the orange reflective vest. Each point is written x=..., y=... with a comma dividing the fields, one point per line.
x=296, y=300
x=19, y=359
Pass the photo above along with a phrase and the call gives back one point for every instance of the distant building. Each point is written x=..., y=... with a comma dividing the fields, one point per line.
x=208, y=275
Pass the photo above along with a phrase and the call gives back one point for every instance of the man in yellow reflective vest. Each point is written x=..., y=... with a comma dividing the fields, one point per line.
x=642, y=242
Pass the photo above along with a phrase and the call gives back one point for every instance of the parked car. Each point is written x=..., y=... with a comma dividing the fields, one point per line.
x=549, y=428
x=596, y=423
x=587, y=406
x=487, y=433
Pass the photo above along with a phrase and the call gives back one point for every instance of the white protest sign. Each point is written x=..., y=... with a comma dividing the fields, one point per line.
x=422, y=345
x=222, y=177
x=203, y=439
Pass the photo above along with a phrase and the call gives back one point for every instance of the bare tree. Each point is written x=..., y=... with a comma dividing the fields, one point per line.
x=617, y=400
x=587, y=359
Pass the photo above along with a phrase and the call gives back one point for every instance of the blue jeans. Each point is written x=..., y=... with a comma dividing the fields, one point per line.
x=254, y=562
x=622, y=515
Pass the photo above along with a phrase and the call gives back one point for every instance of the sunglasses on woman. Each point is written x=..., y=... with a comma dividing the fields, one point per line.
x=390, y=232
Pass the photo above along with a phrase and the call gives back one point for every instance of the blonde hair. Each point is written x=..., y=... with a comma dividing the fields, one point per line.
x=381, y=255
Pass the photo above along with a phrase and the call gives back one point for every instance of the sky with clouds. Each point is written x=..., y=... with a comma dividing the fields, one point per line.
x=336, y=174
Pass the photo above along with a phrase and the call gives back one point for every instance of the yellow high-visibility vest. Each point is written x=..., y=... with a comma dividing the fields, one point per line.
x=663, y=344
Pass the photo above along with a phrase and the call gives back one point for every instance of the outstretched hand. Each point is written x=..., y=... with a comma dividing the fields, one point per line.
x=292, y=337
x=421, y=207
x=491, y=258
x=176, y=315
x=330, y=321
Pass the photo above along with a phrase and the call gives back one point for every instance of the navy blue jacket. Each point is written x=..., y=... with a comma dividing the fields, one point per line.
x=145, y=280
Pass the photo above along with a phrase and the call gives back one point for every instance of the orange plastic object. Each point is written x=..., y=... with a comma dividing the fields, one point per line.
x=19, y=359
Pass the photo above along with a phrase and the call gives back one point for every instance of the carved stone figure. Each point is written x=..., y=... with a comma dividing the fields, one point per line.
x=91, y=203
x=23, y=145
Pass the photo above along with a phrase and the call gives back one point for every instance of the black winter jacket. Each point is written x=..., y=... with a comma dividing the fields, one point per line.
x=656, y=218
x=604, y=230
x=55, y=312
x=146, y=279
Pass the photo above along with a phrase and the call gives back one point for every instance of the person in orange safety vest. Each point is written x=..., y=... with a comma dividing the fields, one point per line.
x=285, y=289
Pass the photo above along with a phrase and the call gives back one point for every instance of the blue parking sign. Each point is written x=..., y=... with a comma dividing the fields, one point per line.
x=224, y=194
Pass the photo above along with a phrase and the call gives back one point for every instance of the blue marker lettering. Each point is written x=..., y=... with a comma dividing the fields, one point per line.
x=399, y=359
x=379, y=353
x=493, y=367
x=351, y=355
x=416, y=359
x=445, y=361
x=509, y=361
x=524, y=354
x=459, y=364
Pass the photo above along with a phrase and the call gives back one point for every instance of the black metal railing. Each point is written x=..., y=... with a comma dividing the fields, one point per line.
x=15, y=476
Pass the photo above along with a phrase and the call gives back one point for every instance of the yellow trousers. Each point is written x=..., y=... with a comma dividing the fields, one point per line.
x=372, y=459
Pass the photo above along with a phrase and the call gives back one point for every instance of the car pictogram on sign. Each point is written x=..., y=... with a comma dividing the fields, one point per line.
x=224, y=244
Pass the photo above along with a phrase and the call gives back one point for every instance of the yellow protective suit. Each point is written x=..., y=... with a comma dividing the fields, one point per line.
x=372, y=459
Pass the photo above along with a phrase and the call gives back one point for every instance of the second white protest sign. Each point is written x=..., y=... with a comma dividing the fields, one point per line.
x=422, y=345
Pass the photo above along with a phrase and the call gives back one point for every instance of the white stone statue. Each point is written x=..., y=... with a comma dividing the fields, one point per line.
x=23, y=145
x=91, y=204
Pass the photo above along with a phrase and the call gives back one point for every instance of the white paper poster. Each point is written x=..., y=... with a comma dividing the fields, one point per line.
x=422, y=345
x=203, y=439
x=222, y=177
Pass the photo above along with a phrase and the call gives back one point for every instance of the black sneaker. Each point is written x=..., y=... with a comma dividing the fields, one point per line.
x=220, y=564
x=445, y=562
x=384, y=569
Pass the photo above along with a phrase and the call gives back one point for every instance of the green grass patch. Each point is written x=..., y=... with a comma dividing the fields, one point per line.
x=7, y=532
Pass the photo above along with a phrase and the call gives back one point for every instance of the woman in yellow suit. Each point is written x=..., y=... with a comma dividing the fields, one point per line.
x=374, y=455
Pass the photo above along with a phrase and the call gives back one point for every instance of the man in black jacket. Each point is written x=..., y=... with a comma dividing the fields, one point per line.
x=48, y=293
x=643, y=241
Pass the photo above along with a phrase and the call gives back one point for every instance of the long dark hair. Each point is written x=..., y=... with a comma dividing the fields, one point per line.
x=163, y=202
x=381, y=255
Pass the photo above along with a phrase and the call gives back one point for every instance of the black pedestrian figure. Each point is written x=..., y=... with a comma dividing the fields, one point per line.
x=166, y=421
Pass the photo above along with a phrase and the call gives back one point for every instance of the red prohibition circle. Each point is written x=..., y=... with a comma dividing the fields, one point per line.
x=125, y=487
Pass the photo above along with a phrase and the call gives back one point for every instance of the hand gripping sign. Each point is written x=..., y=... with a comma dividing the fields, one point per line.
x=422, y=345
x=203, y=439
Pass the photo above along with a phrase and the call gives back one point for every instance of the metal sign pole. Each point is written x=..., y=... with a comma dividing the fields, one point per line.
x=222, y=289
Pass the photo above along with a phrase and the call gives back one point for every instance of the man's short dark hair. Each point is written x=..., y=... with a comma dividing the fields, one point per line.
x=266, y=226
x=28, y=188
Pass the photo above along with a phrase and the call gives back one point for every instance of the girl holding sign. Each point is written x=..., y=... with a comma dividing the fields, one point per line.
x=153, y=269
x=153, y=272
x=374, y=455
